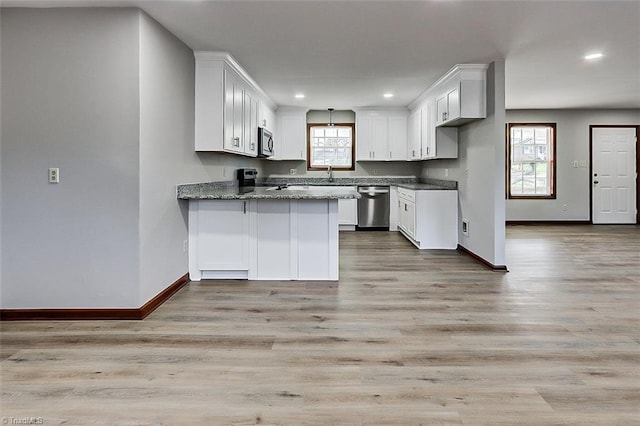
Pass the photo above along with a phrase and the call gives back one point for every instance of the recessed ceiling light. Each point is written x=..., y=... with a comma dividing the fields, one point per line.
x=299, y=96
x=593, y=56
x=388, y=95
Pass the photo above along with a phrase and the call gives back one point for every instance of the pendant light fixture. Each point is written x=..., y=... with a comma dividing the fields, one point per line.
x=330, y=118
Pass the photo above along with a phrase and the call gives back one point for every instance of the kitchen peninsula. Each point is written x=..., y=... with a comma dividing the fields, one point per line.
x=287, y=229
x=262, y=233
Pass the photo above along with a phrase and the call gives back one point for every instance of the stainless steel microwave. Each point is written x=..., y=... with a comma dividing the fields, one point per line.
x=265, y=142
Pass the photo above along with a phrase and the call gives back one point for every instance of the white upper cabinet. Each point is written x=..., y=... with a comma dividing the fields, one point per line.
x=250, y=123
x=426, y=141
x=461, y=95
x=228, y=106
x=233, y=112
x=241, y=116
x=397, y=136
x=381, y=135
x=448, y=105
x=267, y=118
x=364, y=142
x=414, y=135
x=291, y=134
x=438, y=142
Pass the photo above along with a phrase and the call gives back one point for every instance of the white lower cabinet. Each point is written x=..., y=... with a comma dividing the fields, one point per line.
x=222, y=240
x=393, y=211
x=408, y=218
x=406, y=212
x=263, y=239
x=429, y=219
x=348, y=213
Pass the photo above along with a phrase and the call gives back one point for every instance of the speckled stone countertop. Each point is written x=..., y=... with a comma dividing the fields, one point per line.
x=431, y=185
x=401, y=181
x=425, y=187
x=227, y=191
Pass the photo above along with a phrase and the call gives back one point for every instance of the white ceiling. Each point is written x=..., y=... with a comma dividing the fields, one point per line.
x=346, y=54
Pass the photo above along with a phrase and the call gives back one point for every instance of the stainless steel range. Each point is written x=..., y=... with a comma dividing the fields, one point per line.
x=246, y=179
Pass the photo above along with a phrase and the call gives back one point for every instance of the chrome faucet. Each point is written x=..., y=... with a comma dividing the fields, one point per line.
x=330, y=171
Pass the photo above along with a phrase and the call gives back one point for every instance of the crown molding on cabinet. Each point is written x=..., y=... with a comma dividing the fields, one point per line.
x=235, y=65
x=466, y=71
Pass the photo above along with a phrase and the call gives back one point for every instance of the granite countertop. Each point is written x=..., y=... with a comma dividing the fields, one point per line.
x=229, y=190
x=401, y=181
x=426, y=187
x=215, y=191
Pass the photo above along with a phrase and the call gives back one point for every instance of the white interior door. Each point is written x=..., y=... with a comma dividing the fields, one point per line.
x=613, y=176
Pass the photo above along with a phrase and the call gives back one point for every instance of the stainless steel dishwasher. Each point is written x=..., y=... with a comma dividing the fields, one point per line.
x=373, y=207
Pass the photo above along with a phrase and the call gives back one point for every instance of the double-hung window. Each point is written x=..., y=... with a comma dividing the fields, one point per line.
x=531, y=168
x=330, y=145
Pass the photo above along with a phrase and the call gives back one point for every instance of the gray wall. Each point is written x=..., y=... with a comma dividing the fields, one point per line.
x=107, y=95
x=167, y=156
x=479, y=170
x=572, y=144
x=167, y=70
x=69, y=100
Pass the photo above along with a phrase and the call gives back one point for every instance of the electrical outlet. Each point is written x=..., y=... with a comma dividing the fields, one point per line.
x=54, y=175
x=292, y=171
x=446, y=172
x=185, y=246
x=375, y=171
x=583, y=164
x=564, y=207
x=575, y=164
x=465, y=227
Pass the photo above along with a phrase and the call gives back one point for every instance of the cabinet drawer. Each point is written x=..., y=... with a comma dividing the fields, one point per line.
x=407, y=194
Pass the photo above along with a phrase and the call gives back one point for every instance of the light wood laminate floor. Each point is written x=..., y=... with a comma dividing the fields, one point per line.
x=406, y=337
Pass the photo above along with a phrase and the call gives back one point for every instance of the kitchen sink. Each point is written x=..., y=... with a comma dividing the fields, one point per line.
x=305, y=188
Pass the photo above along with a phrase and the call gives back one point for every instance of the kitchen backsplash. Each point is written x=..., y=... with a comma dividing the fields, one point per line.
x=283, y=168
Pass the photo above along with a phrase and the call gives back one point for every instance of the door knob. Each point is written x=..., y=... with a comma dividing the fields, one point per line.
x=595, y=182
